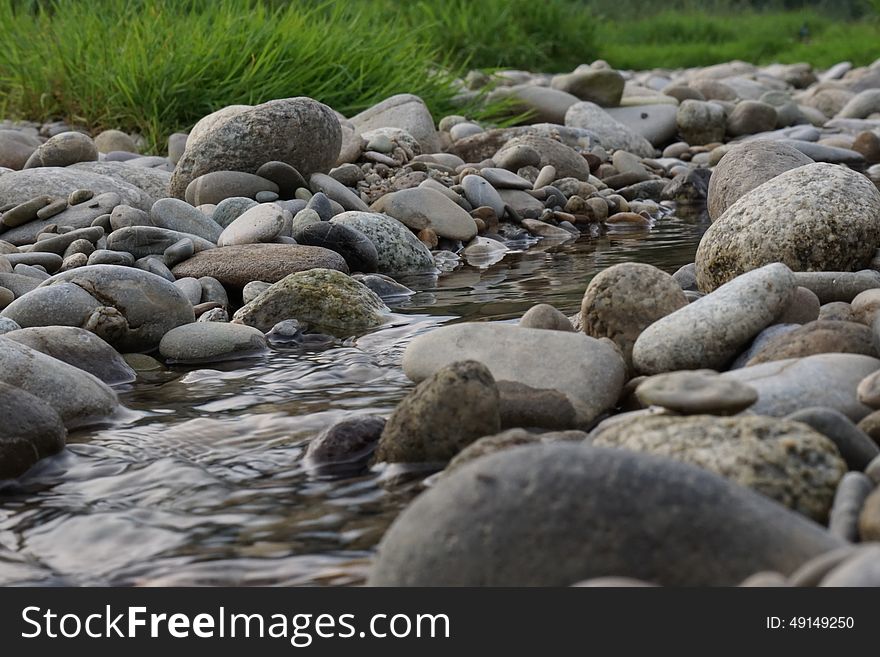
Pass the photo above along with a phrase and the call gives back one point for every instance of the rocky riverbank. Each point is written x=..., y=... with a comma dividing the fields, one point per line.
x=714, y=426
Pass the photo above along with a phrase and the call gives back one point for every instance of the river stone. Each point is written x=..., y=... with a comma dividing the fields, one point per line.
x=750, y=117
x=817, y=337
x=143, y=241
x=709, y=332
x=837, y=286
x=444, y=414
x=405, y=112
x=239, y=265
x=819, y=217
x=787, y=461
x=694, y=392
x=861, y=569
x=210, y=342
x=502, y=179
x=829, y=380
x=603, y=86
x=144, y=306
x=861, y=105
x=545, y=316
x=325, y=299
x=567, y=161
x=217, y=186
x=359, y=252
x=30, y=430
x=298, y=131
x=869, y=518
x=63, y=149
x=20, y=186
x=625, y=299
x=420, y=207
x=344, y=448
x=61, y=305
x=230, y=209
x=746, y=166
x=261, y=223
x=589, y=372
x=701, y=122
x=551, y=515
x=611, y=133
x=174, y=214
x=77, y=347
x=803, y=308
x=398, y=250
x=284, y=176
x=854, y=445
x=15, y=148
x=656, y=123
x=479, y=192
x=78, y=397
x=508, y=439
x=336, y=191
x=154, y=182
x=543, y=104
x=108, y=141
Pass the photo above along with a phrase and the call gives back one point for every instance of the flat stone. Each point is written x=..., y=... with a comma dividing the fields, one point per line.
x=656, y=123
x=817, y=337
x=834, y=286
x=852, y=491
x=611, y=133
x=174, y=214
x=504, y=179
x=420, y=207
x=239, y=265
x=590, y=373
x=603, y=86
x=217, y=186
x=336, y=191
x=786, y=461
x=567, y=161
x=694, y=392
x=545, y=105
x=828, y=380
x=153, y=182
x=444, y=414
x=75, y=217
x=709, y=332
x=78, y=397
x=209, y=342
x=476, y=527
x=143, y=241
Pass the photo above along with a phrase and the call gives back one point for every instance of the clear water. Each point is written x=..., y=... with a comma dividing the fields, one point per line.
x=202, y=482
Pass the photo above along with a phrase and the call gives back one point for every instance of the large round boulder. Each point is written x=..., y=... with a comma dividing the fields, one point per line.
x=298, y=131
x=553, y=515
x=746, y=166
x=135, y=308
x=818, y=217
x=30, y=430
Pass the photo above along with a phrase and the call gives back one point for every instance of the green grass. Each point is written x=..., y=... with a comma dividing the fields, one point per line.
x=157, y=66
x=682, y=39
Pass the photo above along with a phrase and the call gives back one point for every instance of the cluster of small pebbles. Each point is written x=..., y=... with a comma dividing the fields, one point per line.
x=715, y=426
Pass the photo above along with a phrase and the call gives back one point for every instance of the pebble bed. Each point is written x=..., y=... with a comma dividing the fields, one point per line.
x=718, y=425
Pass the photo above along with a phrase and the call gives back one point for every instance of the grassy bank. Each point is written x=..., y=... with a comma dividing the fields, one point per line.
x=156, y=66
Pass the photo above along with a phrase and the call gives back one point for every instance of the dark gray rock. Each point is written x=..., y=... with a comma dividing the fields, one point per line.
x=552, y=515
x=30, y=430
x=854, y=445
x=345, y=447
x=359, y=252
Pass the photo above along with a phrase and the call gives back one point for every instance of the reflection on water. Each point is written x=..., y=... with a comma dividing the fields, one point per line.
x=201, y=483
